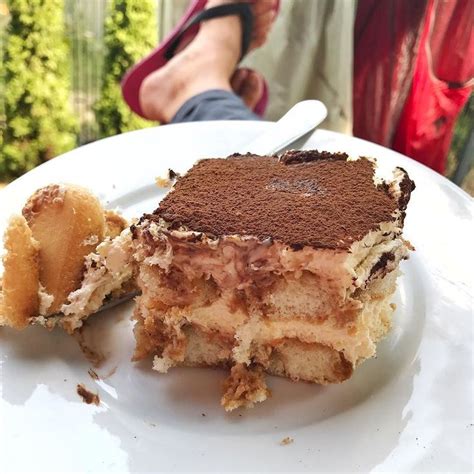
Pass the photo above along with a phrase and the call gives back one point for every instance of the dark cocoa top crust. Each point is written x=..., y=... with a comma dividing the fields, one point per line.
x=306, y=198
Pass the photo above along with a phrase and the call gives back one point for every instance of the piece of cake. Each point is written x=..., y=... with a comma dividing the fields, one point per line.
x=284, y=266
x=62, y=258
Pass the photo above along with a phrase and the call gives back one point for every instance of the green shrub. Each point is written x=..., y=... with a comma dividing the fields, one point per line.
x=129, y=34
x=38, y=120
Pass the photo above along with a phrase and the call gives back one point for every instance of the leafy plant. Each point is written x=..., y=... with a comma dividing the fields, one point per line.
x=464, y=125
x=35, y=69
x=130, y=33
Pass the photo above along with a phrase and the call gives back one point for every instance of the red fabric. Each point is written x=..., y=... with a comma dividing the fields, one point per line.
x=433, y=105
x=386, y=40
x=452, y=41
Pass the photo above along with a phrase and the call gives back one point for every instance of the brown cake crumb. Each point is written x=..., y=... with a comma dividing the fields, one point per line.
x=167, y=181
x=162, y=183
x=286, y=441
x=87, y=396
x=244, y=387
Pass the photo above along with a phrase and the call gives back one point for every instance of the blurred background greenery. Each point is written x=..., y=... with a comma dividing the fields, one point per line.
x=62, y=62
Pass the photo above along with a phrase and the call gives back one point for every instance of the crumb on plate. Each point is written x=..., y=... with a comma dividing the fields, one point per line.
x=167, y=180
x=87, y=396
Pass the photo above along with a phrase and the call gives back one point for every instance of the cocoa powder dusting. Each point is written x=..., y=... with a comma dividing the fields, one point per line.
x=309, y=198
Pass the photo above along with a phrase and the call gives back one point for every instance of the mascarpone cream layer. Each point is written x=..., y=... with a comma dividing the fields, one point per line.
x=238, y=261
x=107, y=269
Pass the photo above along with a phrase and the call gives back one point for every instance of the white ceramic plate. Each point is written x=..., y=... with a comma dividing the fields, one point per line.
x=409, y=409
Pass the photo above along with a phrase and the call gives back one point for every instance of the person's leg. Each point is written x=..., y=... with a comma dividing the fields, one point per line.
x=202, y=71
x=215, y=104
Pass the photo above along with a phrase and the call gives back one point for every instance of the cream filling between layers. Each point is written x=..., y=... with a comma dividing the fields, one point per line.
x=356, y=341
x=238, y=261
x=107, y=269
x=45, y=300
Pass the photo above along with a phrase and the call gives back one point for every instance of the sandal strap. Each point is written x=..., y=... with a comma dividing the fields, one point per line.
x=242, y=9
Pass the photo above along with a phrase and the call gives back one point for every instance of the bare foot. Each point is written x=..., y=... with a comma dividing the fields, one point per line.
x=206, y=63
x=248, y=85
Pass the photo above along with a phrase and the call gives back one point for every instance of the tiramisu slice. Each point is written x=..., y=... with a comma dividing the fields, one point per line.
x=285, y=266
x=63, y=257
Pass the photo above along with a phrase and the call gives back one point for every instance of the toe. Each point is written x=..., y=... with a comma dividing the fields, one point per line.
x=252, y=89
x=238, y=79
